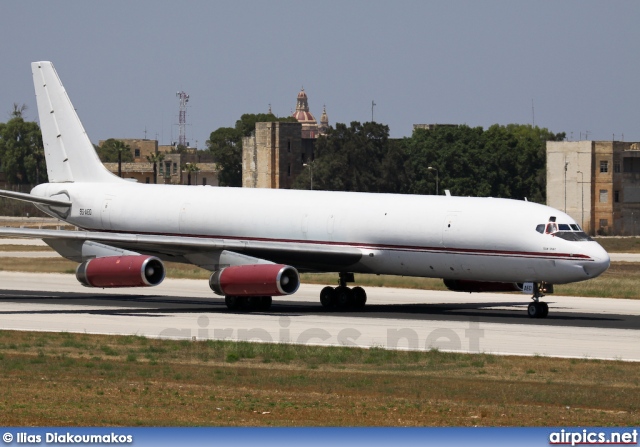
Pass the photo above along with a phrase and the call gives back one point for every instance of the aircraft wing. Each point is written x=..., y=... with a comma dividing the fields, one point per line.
x=202, y=251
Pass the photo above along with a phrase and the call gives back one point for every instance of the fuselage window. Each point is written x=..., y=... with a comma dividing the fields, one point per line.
x=552, y=227
x=540, y=228
x=564, y=227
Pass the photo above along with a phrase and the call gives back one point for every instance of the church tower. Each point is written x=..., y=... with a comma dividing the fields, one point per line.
x=304, y=117
x=324, y=122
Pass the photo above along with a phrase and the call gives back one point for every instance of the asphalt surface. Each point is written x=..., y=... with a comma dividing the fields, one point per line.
x=393, y=318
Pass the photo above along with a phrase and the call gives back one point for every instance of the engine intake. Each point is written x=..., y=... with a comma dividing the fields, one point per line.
x=255, y=280
x=121, y=271
x=460, y=285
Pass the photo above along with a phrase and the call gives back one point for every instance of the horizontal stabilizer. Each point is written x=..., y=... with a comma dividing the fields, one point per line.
x=34, y=199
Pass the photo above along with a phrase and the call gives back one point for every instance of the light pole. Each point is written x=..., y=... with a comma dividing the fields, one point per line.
x=310, y=165
x=582, y=189
x=437, y=179
x=566, y=163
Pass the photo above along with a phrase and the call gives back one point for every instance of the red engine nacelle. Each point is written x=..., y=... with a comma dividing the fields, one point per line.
x=255, y=280
x=460, y=285
x=121, y=271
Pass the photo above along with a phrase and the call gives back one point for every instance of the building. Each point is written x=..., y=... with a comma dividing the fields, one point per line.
x=597, y=183
x=275, y=155
x=172, y=169
x=277, y=152
x=140, y=149
x=306, y=118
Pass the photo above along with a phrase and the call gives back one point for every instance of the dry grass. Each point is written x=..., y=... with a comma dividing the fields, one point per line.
x=620, y=244
x=25, y=248
x=77, y=379
x=620, y=281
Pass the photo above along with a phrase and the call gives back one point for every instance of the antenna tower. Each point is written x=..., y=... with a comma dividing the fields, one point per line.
x=182, y=118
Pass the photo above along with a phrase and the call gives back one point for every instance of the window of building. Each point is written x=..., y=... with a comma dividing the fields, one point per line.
x=604, y=223
x=604, y=195
x=616, y=167
x=616, y=196
x=604, y=167
x=148, y=180
x=289, y=146
x=136, y=152
x=289, y=170
x=175, y=168
x=302, y=156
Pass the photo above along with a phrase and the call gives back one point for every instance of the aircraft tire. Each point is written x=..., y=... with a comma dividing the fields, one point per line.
x=359, y=297
x=538, y=309
x=545, y=309
x=328, y=297
x=265, y=303
x=233, y=302
x=344, y=297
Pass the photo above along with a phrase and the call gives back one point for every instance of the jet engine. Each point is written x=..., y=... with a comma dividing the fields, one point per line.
x=255, y=280
x=460, y=285
x=121, y=271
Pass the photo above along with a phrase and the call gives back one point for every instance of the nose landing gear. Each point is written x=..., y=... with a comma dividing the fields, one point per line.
x=539, y=309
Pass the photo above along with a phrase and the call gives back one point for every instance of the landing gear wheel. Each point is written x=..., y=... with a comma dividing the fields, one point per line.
x=265, y=303
x=233, y=302
x=533, y=310
x=538, y=309
x=344, y=297
x=328, y=297
x=359, y=297
x=545, y=309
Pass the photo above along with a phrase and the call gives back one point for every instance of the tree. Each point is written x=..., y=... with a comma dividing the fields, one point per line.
x=21, y=149
x=190, y=168
x=154, y=159
x=351, y=159
x=115, y=151
x=502, y=161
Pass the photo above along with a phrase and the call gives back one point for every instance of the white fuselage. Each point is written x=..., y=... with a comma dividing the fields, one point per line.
x=480, y=239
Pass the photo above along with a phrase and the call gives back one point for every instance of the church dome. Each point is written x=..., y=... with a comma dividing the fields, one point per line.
x=304, y=117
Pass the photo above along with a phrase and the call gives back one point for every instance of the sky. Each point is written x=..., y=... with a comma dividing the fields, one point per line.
x=571, y=66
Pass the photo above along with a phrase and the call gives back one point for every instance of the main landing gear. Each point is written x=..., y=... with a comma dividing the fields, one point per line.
x=539, y=309
x=248, y=303
x=343, y=297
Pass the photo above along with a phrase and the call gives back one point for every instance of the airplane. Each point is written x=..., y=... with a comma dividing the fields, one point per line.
x=256, y=241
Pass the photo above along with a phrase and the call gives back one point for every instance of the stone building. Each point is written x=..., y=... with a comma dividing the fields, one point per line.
x=171, y=170
x=275, y=155
x=597, y=183
x=140, y=149
x=277, y=152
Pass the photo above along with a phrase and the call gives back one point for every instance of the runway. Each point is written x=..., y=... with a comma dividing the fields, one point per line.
x=393, y=318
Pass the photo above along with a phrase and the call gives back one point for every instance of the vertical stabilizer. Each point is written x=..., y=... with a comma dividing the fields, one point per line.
x=69, y=154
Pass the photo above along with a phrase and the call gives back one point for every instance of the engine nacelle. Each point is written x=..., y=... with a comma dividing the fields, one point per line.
x=255, y=280
x=460, y=285
x=121, y=271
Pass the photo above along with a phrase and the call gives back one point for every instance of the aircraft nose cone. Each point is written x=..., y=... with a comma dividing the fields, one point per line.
x=599, y=264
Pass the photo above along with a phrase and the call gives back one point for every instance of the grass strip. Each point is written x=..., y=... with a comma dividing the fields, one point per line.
x=51, y=379
x=619, y=281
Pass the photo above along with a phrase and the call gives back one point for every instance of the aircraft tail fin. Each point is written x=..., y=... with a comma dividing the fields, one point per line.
x=69, y=154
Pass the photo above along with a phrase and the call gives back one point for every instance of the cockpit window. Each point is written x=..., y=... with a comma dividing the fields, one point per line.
x=573, y=236
x=568, y=232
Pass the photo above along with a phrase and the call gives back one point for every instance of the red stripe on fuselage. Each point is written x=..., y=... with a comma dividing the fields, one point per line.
x=465, y=251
